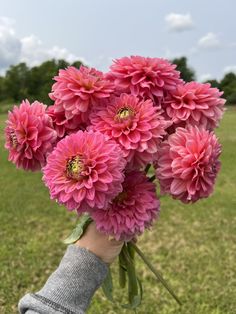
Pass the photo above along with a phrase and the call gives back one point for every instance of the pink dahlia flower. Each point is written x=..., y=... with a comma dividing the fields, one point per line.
x=84, y=171
x=75, y=91
x=144, y=77
x=188, y=164
x=62, y=125
x=29, y=135
x=135, y=125
x=132, y=211
x=195, y=104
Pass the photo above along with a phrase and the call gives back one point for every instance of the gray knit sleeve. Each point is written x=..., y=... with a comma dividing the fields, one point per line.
x=70, y=288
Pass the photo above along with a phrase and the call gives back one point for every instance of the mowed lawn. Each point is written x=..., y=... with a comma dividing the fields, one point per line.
x=194, y=246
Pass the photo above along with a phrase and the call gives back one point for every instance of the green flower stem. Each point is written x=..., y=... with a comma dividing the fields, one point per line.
x=131, y=251
x=157, y=274
x=147, y=168
x=107, y=286
x=151, y=179
x=122, y=277
x=122, y=270
x=132, y=282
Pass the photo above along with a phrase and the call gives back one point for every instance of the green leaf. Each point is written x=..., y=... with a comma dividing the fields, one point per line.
x=122, y=270
x=80, y=228
x=133, y=291
x=136, y=301
x=122, y=277
x=140, y=288
x=107, y=286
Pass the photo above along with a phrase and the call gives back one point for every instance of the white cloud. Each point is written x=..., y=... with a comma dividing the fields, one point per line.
x=29, y=49
x=62, y=53
x=7, y=23
x=205, y=77
x=10, y=45
x=34, y=52
x=179, y=22
x=229, y=68
x=209, y=41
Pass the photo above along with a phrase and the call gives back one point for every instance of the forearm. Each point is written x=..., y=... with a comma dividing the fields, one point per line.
x=70, y=288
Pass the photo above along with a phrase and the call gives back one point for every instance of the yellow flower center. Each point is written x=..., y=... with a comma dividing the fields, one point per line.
x=74, y=167
x=13, y=139
x=88, y=85
x=124, y=113
x=121, y=197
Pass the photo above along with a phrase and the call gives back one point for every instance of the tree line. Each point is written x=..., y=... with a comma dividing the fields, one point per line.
x=226, y=84
x=21, y=82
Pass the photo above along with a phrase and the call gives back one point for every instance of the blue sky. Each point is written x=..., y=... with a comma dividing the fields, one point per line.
x=98, y=31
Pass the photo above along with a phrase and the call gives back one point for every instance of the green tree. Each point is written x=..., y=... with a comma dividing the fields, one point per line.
x=228, y=79
x=41, y=79
x=186, y=73
x=34, y=83
x=2, y=91
x=214, y=83
x=228, y=85
x=16, y=82
x=77, y=64
x=62, y=64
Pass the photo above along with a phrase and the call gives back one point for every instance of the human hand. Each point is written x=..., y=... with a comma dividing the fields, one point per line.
x=100, y=244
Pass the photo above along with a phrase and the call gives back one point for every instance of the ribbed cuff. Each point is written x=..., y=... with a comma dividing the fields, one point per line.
x=73, y=284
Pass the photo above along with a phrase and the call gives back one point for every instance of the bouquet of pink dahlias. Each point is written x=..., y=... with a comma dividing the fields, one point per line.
x=109, y=139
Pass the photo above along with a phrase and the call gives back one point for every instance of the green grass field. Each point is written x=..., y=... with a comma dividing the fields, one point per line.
x=194, y=246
